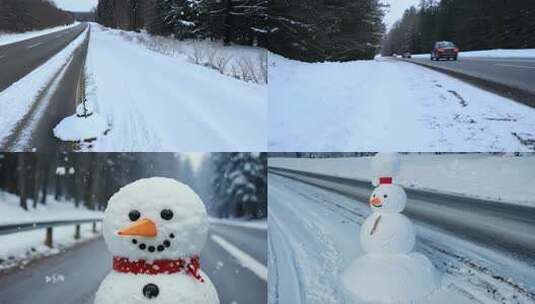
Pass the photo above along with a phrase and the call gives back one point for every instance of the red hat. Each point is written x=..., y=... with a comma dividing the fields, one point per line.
x=385, y=180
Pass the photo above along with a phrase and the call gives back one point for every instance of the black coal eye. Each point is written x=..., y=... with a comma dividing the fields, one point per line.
x=166, y=214
x=374, y=195
x=385, y=196
x=134, y=215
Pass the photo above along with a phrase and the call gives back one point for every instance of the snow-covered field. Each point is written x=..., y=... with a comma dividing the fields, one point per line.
x=314, y=236
x=243, y=62
x=387, y=105
x=19, y=248
x=21, y=96
x=495, y=177
x=7, y=38
x=154, y=102
x=499, y=53
x=12, y=213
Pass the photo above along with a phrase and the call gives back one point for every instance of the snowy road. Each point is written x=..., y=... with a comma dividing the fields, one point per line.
x=518, y=73
x=314, y=236
x=74, y=276
x=19, y=58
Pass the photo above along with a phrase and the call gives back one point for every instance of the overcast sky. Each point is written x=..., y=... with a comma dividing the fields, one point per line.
x=76, y=5
x=397, y=7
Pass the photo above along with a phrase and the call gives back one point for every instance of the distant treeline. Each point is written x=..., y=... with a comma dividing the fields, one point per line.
x=28, y=15
x=471, y=24
x=325, y=30
x=233, y=21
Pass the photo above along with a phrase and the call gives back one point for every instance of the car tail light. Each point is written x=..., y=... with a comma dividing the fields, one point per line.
x=456, y=50
x=440, y=50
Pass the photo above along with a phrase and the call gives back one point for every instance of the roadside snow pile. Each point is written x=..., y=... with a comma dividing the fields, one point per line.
x=19, y=98
x=498, y=53
x=153, y=102
x=12, y=213
x=388, y=105
x=501, y=178
x=247, y=63
x=260, y=224
x=7, y=38
x=81, y=126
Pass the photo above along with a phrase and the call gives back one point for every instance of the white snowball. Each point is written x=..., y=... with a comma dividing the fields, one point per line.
x=385, y=164
x=393, y=199
x=395, y=278
x=392, y=234
x=120, y=288
x=149, y=197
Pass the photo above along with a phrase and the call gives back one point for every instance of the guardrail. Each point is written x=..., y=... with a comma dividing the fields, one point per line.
x=507, y=227
x=49, y=226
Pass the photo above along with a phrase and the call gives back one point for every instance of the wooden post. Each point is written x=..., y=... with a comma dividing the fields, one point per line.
x=94, y=227
x=77, y=232
x=48, y=238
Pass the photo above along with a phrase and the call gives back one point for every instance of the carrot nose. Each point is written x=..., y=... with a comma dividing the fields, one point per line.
x=376, y=202
x=142, y=227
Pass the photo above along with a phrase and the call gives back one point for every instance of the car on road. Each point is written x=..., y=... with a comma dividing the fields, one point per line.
x=444, y=49
x=407, y=55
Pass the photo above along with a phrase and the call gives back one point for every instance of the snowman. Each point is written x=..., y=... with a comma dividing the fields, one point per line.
x=389, y=272
x=155, y=229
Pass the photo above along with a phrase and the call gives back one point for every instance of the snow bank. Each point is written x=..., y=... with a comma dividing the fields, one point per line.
x=76, y=128
x=12, y=213
x=7, y=38
x=242, y=62
x=154, y=102
x=19, y=98
x=497, y=53
x=19, y=248
x=253, y=224
x=387, y=105
x=501, y=178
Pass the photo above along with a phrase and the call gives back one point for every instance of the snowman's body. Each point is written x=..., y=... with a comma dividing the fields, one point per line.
x=389, y=272
x=155, y=228
x=120, y=288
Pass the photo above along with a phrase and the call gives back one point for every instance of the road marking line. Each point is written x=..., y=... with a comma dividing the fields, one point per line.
x=515, y=66
x=245, y=260
x=34, y=45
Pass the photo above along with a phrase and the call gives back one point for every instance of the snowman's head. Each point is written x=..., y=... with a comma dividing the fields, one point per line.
x=155, y=218
x=388, y=198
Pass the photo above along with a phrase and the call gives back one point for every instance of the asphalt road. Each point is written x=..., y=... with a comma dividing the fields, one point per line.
x=500, y=226
x=517, y=73
x=79, y=271
x=19, y=58
x=34, y=131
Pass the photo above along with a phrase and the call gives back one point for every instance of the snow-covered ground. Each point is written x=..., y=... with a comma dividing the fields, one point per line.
x=19, y=248
x=21, y=96
x=495, y=177
x=387, y=105
x=243, y=62
x=154, y=102
x=498, y=53
x=12, y=213
x=314, y=237
x=7, y=38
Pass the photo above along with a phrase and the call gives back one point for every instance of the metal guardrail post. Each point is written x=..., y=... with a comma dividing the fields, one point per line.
x=48, y=237
x=77, y=232
x=94, y=227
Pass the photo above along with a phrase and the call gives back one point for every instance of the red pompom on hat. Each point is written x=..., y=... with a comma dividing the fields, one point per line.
x=383, y=180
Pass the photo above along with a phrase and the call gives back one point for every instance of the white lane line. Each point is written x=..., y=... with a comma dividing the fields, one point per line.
x=515, y=66
x=34, y=45
x=243, y=258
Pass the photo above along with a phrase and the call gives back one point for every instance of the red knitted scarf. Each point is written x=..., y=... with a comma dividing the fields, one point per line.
x=191, y=266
